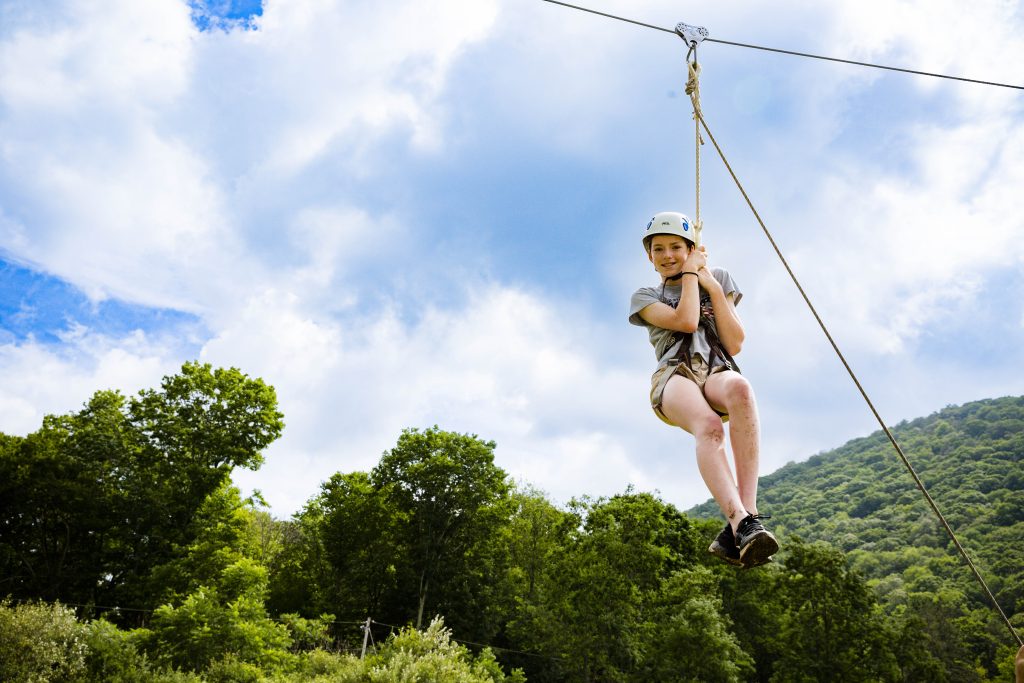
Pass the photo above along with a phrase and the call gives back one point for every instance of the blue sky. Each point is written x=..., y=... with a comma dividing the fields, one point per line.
x=429, y=213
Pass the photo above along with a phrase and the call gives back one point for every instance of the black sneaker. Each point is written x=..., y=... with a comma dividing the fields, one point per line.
x=756, y=544
x=724, y=546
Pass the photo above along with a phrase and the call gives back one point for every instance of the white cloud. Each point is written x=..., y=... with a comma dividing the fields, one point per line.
x=78, y=55
x=507, y=366
x=40, y=379
x=145, y=154
x=237, y=174
x=899, y=253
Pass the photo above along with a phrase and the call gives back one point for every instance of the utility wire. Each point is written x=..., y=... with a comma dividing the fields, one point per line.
x=279, y=620
x=793, y=52
x=470, y=642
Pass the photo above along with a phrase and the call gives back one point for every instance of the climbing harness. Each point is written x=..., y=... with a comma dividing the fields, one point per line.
x=684, y=339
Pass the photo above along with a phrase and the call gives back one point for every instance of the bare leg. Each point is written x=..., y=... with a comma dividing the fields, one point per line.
x=685, y=406
x=731, y=392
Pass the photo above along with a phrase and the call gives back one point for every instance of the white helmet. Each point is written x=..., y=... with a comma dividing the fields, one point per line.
x=669, y=223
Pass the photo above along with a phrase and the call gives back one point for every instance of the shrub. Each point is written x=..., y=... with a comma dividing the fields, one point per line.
x=230, y=669
x=113, y=654
x=309, y=634
x=213, y=623
x=40, y=642
x=431, y=655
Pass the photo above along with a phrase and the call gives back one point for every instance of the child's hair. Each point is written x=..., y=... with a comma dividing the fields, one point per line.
x=690, y=244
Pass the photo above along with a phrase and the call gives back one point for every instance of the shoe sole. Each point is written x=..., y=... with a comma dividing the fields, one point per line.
x=751, y=566
x=722, y=553
x=759, y=550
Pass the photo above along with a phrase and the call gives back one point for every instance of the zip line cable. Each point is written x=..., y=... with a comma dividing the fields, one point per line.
x=793, y=52
x=699, y=116
x=863, y=393
x=868, y=64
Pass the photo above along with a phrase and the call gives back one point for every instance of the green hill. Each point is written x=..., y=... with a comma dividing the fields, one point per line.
x=861, y=499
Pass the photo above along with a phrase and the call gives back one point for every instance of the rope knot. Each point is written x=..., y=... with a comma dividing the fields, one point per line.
x=693, y=82
x=693, y=90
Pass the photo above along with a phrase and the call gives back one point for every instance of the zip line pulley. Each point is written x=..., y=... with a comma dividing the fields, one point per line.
x=691, y=34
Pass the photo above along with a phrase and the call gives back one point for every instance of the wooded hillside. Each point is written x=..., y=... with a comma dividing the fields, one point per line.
x=861, y=499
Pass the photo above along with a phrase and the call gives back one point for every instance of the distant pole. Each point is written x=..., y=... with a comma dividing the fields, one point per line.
x=366, y=635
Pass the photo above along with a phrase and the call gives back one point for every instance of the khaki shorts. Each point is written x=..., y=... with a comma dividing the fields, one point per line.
x=698, y=375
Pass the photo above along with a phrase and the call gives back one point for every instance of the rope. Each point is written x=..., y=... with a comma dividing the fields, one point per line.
x=863, y=393
x=693, y=90
x=794, y=53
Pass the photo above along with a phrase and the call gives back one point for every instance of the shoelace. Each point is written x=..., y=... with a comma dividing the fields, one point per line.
x=748, y=520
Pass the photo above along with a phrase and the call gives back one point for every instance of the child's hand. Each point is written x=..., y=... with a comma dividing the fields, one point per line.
x=695, y=260
x=706, y=279
x=704, y=275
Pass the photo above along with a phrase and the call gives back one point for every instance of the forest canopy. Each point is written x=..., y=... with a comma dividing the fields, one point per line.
x=127, y=554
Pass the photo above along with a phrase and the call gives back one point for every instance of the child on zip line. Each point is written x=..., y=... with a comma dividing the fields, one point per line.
x=692, y=322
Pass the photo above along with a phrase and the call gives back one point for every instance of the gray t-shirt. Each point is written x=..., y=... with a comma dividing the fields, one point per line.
x=661, y=339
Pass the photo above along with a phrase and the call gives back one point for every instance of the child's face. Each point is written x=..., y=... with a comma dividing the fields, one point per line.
x=668, y=254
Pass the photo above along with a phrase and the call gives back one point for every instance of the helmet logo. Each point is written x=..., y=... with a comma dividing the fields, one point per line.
x=668, y=223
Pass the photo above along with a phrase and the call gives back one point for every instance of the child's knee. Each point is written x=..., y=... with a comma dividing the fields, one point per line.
x=738, y=392
x=710, y=427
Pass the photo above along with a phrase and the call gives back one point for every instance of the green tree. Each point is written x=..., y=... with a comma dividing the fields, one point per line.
x=756, y=607
x=57, y=504
x=224, y=620
x=450, y=494
x=219, y=535
x=833, y=628
x=363, y=538
x=301, y=577
x=859, y=499
x=532, y=537
x=95, y=500
x=600, y=600
x=689, y=637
